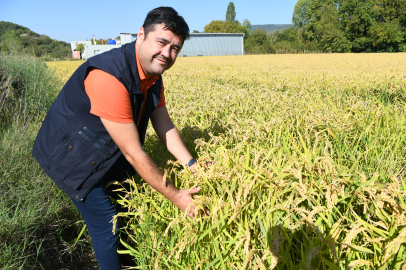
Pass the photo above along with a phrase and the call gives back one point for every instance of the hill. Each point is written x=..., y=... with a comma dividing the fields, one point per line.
x=31, y=42
x=271, y=27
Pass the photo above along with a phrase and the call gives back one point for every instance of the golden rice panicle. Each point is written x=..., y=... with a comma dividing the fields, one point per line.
x=356, y=263
x=394, y=245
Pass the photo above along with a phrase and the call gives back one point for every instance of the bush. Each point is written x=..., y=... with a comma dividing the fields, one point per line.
x=27, y=89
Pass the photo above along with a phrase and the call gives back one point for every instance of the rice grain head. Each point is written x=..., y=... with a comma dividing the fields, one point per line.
x=311, y=255
x=356, y=263
x=394, y=245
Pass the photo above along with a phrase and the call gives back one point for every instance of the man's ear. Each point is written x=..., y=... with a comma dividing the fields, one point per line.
x=141, y=34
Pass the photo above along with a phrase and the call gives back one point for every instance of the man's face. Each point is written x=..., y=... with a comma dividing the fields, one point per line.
x=158, y=51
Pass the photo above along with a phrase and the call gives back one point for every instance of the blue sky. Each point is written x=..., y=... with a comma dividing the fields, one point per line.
x=80, y=20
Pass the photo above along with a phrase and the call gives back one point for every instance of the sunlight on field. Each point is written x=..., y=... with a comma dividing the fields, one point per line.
x=64, y=69
x=310, y=164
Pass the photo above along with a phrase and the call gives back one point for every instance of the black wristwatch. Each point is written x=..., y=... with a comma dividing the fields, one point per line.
x=190, y=163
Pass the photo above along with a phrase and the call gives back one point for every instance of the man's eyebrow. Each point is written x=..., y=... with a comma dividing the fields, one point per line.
x=167, y=41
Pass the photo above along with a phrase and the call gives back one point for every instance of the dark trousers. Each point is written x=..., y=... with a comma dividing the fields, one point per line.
x=98, y=210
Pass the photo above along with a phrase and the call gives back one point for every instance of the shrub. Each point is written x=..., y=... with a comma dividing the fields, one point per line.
x=27, y=88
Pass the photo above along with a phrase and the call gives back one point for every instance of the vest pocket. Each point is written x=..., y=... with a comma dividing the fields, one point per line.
x=66, y=156
x=75, y=158
x=82, y=171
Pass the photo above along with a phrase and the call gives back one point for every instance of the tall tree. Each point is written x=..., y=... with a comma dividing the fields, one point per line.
x=230, y=14
x=328, y=31
x=300, y=13
x=247, y=24
x=247, y=27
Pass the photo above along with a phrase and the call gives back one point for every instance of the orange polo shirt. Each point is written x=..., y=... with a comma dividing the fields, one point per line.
x=109, y=99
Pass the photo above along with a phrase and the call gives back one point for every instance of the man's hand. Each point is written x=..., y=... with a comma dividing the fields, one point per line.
x=207, y=164
x=183, y=200
x=127, y=139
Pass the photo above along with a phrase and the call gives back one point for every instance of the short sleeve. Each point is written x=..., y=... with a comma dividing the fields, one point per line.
x=109, y=98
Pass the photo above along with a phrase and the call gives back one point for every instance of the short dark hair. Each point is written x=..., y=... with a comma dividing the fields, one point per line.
x=170, y=18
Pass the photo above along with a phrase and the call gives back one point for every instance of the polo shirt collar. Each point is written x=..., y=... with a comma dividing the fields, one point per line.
x=141, y=73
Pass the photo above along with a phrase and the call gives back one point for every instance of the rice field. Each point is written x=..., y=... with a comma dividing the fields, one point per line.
x=310, y=165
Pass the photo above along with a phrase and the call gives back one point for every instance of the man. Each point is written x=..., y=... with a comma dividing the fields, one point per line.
x=95, y=129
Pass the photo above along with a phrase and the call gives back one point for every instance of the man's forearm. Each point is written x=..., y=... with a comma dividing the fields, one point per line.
x=176, y=146
x=169, y=135
x=147, y=169
x=127, y=139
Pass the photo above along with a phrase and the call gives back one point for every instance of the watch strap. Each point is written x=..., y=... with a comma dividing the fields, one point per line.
x=191, y=162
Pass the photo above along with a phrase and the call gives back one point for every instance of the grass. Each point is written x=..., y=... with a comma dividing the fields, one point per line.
x=39, y=223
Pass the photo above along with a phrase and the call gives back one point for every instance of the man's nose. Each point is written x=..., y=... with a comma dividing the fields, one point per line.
x=166, y=51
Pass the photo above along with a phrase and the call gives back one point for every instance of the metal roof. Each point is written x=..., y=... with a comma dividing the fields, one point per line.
x=204, y=44
x=197, y=34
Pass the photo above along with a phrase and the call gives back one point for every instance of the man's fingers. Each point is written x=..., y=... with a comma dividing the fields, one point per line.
x=210, y=163
x=194, y=190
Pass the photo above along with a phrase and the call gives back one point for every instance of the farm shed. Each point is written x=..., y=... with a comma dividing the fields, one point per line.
x=199, y=44
x=205, y=44
x=128, y=37
x=210, y=44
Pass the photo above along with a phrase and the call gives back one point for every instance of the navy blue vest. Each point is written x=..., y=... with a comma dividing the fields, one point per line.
x=73, y=147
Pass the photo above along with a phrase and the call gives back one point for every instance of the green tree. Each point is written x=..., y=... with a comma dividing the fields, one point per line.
x=99, y=41
x=80, y=47
x=368, y=25
x=11, y=42
x=224, y=27
x=258, y=37
x=386, y=36
x=230, y=14
x=258, y=42
x=301, y=16
x=33, y=49
x=247, y=28
x=228, y=27
x=247, y=24
x=328, y=31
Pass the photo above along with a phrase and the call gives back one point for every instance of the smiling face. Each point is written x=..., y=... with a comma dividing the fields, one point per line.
x=157, y=51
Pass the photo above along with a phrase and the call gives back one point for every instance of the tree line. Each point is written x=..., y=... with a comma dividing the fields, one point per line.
x=327, y=26
x=15, y=38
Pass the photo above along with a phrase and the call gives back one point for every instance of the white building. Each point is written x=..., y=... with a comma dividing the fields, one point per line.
x=199, y=44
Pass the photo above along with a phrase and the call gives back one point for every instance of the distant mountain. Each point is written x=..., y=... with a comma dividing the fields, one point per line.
x=271, y=27
x=34, y=43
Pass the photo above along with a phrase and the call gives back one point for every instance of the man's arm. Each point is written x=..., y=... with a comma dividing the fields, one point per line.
x=127, y=139
x=170, y=136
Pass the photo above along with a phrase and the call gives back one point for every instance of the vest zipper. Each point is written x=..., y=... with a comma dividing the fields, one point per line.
x=94, y=143
x=108, y=168
x=97, y=137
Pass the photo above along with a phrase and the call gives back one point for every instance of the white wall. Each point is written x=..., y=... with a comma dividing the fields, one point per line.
x=73, y=44
x=92, y=50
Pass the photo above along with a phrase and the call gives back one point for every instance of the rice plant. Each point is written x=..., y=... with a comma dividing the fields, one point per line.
x=309, y=172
